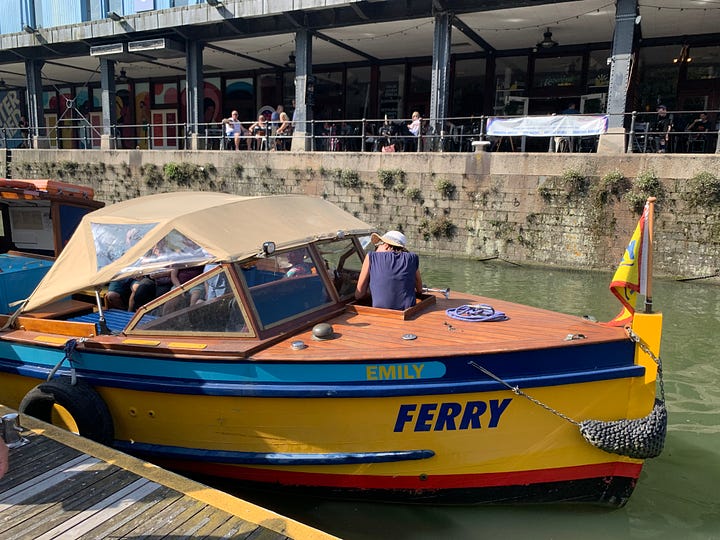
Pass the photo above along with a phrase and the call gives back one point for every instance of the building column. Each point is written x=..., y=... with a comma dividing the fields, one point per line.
x=195, y=92
x=304, y=91
x=36, y=118
x=620, y=61
x=439, y=78
x=107, y=100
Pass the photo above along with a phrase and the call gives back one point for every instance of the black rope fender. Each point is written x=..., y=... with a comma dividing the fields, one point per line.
x=640, y=438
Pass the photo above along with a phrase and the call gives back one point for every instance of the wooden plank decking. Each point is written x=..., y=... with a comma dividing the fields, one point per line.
x=60, y=485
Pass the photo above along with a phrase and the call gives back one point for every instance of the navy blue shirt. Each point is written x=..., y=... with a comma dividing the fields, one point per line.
x=392, y=278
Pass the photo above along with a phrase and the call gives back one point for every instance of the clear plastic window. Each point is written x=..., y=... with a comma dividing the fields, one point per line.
x=206, y=305
x=174, y=249
x=113, y=240
x=344, y=262
x=285, y=286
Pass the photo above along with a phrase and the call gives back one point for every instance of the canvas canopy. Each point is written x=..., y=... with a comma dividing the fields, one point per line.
x=143, y=235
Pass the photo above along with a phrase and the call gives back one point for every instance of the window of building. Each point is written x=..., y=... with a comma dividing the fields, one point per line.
x=268, y=90
x=357, y=95
x=468, y=88
x=657, y=77
x=418, y=98
x=510, y=82
x=329, y=97
x=705, y=63
x=560, y=72
x=598, y=71
x=239, y=95
x=391, y=91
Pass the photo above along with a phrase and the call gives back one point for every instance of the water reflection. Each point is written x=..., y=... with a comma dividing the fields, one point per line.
x=677, y=494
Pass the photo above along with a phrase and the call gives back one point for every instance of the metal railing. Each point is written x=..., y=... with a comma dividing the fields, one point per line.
x=454, y=134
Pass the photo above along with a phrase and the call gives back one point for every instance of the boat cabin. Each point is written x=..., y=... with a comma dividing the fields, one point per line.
x=37, y=219
x=253, y=298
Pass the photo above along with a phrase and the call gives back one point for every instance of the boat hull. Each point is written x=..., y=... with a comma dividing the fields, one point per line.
x=430, y=429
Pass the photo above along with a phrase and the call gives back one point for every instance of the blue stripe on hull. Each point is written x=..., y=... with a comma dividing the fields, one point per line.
x=269, y=458
x=527, y=369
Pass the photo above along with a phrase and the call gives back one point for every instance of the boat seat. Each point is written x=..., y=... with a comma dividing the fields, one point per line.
x=116, y=319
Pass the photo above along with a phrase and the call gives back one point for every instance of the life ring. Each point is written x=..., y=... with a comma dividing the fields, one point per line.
x=77, y=404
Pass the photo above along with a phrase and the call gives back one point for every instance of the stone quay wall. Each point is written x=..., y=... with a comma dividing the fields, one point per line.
x=565, y=210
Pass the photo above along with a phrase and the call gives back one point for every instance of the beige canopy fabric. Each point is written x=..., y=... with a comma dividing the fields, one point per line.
x=194, y=228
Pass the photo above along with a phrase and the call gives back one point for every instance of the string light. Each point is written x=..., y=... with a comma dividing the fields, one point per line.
x=549, y=23
x=390, y=34
x=278, y=46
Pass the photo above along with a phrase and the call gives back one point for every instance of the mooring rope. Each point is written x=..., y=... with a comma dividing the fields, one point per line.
x=68, y=349
x=476, y=313
x=639, y=438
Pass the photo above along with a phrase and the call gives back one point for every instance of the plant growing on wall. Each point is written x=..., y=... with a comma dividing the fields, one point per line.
x=612, y=184
x=703, y=190
x=575, y=182
x=152, y=175
x=446, y=188
x=415, y=195
x=390, y=178
x=437, y=227
x=647, y=184
x=348, y=178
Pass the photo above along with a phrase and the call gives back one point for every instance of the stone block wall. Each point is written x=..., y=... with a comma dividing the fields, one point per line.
x=566, y=210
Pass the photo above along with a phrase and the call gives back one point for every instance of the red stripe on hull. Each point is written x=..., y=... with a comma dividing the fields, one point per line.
x=432, y=483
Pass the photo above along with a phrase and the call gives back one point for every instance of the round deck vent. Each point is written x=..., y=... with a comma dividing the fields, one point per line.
x=323, y=331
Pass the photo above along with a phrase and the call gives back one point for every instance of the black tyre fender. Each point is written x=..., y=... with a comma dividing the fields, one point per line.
x=81, y=401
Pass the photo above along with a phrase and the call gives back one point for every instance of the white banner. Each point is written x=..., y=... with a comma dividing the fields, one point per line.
x=561, y=125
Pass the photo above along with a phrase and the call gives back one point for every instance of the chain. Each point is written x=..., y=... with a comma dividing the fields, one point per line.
x=516, y=390
x=646, y=349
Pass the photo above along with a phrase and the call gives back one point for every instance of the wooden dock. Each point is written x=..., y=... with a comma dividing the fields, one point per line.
x=62, y=486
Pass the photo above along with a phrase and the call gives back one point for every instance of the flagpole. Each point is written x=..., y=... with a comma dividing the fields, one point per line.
x=651, y=213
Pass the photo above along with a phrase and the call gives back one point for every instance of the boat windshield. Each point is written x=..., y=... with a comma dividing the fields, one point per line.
x=344, y=261
x=285, y=286
x=206, y=305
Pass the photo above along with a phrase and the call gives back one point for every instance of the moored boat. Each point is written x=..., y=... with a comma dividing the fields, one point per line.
x=38, y=219
x=248, y=374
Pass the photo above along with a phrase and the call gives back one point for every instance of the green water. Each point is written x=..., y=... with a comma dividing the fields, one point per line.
x=678, y=495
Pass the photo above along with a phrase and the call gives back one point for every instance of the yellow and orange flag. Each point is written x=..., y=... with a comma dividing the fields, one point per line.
x=631, y=277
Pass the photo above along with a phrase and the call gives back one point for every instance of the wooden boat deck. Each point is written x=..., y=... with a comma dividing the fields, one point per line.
x=63, y=486
x=365, y=332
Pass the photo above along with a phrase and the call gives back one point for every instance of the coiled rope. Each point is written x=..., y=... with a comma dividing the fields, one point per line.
x=476, y=313
x=640, y=438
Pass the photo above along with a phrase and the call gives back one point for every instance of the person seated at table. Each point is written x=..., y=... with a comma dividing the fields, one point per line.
x=699, y=128
x=234, y=130
x=259, y=130
x=391, y=272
